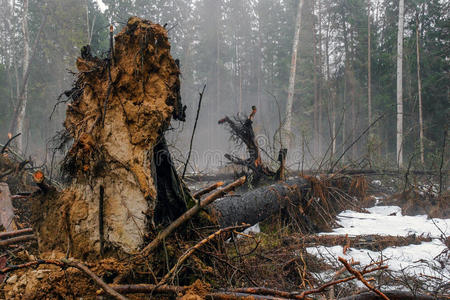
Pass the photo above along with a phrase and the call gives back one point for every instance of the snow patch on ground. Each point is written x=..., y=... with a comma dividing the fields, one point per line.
x=414, y=260
x=388, y=220
x=253, y=229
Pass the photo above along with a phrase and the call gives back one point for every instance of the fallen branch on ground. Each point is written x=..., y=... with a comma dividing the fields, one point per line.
x=392, y=295
x=147, y=288
x=257, y=292
x=16, y=240
x=66, y=263
x=197, y=246
x=177, y=290
x=9, y=234
x=360, y=277
x=189, y=214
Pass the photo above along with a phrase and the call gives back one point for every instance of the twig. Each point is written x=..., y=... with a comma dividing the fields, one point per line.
x=197, y=246
x=14, y=233
x=16, y=240
x=208, y=189
x=189, y=214
x=8, y=142
x=66, y=263
x=360, y=277
x=193, y=130
x=252, y=293
x=355, y=141
x=230, y=265
x=392, y=294
x=147, y=288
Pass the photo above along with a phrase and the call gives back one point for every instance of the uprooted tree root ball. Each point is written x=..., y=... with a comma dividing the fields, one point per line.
x=119, y=110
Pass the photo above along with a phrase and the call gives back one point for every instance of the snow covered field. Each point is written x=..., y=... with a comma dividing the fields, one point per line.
x=423, y=260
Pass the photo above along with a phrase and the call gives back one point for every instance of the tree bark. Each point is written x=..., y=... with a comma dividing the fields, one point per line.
x=401, y=10
x=290, y=99
x=258, y=204
x=316, y=88
x=17, y=122
x=293, y=199
x=419, y=91
x=23, y=96
x=6, y=208
x=369, y=70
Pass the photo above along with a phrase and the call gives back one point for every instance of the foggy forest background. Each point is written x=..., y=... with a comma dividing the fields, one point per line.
x=241, y=49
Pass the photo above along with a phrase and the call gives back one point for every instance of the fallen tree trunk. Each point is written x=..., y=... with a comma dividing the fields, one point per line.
x=306, y=201
x=259, y=204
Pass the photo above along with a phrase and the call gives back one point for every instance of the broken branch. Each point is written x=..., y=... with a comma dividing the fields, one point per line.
x=16, y=240
x=360, y=277
x=190, y=213
x=8, y=142
x=193, y=130
x=197, y=246
x=208, y=189
x=9, y=234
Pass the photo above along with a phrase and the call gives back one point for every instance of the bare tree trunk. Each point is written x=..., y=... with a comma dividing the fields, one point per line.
x=346, y=83
x=319, y=141
x=290, y=99
x=400, y=84
x=419, y=90
x=316, y=89
x=369, y=70
x=331, y=95
x=87, y=22
x=89, y=27
x=17, y=122
x=23, y=97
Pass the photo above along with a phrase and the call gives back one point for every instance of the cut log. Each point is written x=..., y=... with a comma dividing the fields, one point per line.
x=6, y=208
x=41, y=182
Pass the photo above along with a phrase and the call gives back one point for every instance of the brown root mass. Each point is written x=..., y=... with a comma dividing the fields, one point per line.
x=119, y=111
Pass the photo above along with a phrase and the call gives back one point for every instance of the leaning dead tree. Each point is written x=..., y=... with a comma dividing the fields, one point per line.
x=122, y=183
x=241, y=130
